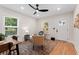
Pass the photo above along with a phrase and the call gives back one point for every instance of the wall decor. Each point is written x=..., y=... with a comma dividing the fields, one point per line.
x=61, y=23
x=45, y=28
x=76, y=23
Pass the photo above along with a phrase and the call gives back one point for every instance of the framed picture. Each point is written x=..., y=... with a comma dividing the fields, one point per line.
x=45, y=28
x=76, y=23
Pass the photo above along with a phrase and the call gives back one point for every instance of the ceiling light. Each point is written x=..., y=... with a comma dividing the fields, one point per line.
x=22, y=7
x=36, y=10
x=58, y=9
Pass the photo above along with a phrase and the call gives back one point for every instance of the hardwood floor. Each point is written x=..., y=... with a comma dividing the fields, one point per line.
x=56, y=47
x=64, y=48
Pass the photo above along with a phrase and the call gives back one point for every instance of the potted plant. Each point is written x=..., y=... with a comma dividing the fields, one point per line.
x=2, y=37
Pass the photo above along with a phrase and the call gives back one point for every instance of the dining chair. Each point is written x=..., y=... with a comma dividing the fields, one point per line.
x=38, y=42
x=5, y=49
x=13, y=49
x=14, y=37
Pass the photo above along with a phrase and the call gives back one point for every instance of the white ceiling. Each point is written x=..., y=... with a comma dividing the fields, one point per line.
x=65, y=8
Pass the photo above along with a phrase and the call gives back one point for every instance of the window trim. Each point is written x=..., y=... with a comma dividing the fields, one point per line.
x=11, y=26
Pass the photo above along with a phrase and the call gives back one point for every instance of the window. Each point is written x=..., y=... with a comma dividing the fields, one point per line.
x=10, y=26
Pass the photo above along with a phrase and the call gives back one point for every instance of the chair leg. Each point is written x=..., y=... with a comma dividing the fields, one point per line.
x=42, y=47
x=33, y=47
x=9, y=53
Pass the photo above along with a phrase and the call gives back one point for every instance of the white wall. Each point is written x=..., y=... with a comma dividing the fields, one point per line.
x=64, y=32
x=23, y=21
x=76, y=30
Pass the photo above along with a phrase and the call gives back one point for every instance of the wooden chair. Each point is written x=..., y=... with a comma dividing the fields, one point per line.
x=38, y=41
x=13, y=49
x=5, y=49
x=15, y=37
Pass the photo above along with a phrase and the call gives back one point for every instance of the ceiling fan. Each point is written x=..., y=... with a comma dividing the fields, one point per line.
x=37, y=9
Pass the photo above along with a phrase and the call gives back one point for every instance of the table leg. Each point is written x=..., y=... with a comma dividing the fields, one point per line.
x=17, y=49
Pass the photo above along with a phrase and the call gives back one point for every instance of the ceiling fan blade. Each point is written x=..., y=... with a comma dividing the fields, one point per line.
x=32, y=6
x=43, y=10
x=34, y=13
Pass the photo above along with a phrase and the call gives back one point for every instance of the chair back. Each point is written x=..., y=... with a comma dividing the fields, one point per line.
x=6, y=48
x=14, y=37
x=38, y=40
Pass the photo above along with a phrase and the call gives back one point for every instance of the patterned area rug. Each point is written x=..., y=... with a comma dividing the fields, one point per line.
x=26, y=48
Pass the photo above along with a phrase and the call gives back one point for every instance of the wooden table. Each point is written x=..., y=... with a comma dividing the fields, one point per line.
x=15, y=43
